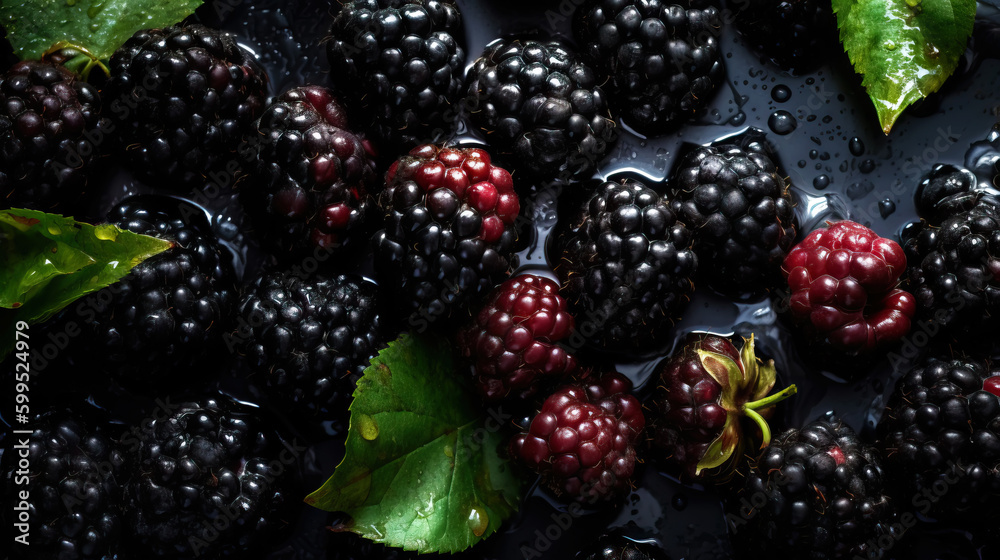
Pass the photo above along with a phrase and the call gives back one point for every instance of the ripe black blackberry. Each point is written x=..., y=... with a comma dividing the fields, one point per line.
x=541, y=105
x=313, y=174
x=814, y=493
x=307, y=341
x=942, y=427
x=954, y=269
x=169, y=313
x=617, y=547
x=449, y=231
x=663, y=59
x=741, y=211
x=49, y=128
x=73, y=475
x=935, y=192
x=207, y=481
x=182, y=99
x=626, y=266
x=402, y=63
x=795, y=34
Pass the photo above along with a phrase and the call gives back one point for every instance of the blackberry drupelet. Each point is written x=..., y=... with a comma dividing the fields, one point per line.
x=942, y=427
x=541, y=105
x=313, y=174
x=448, y=235
x=170, y=312
x=307, y=341
x=626, y=266
x=663, y=59
x=207, y=482
x=401, y=62
x=795, y=34
x=814, y=493
x=49, y=136
x=954, y=271
x=74, y=477
x=183, y=99
x=935, y=192
x=741, y=211
x=616, y=547
x=582, y=441
x=511, y=341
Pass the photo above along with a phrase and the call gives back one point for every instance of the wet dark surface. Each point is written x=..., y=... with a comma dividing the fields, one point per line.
x=831, y=148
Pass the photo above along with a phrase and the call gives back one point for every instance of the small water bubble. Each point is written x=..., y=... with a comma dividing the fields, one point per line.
x=844, y=167
x=825, y=156
x=802, y=163
x=367, y=427
x=782, y=122
x=827, y=119
x=738, y=119
x=886, y=208
x=679, y=502
x=813, y=154
x=821, y=182
x=810, y=81
x=856, y=146
x=889, y=45
x=867, y=166
x=781, y=93
x=479, y=521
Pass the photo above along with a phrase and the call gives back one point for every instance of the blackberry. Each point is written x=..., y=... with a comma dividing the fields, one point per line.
x=795, y=34
x=663, y=59
x=942, y=426
x=310, y=189
x=207, y=481
x=512, y=340
x=954, y=271
x=540, y=104
x=309, y=340
x=582, y=441
x=170, y=312
x=740, y=208
x=49, y=136
x=448, y=234
x=626, y=266
x=183, y=99
x=937, y=189
x=616, y=547
x=73, y=474
x=814, y=493
x=400, y=61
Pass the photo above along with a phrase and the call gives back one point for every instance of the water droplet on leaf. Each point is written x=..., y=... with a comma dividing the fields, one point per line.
x=479, y=521
x=367, y=427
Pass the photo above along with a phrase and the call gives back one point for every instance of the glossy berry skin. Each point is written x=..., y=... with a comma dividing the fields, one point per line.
x=170, y=311
x=308, y=340
x=200, y=462
x=46, y=116
x=74, y=482
x=540, y=104
x=449, y=234
x=183, y=100
x=954, y=269
x=313, y=175
x=794, y=34
x=626, y=266
x=663, y=59
x=582, y=441
x=815, y=493
x=739, y=206
x=938, y=188
x=401, y=62
x=942, y=426
x=843, y=282
x=616, y=547
x=511, y=342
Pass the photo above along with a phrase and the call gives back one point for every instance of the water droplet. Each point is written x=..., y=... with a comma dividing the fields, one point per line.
x=913, y=3
x=479, y=521
x=886, y=208
x=813, y=154
x=449, y=452
x=856, y=146
x=71, y=3
x=781, y=93
x=821, y=182
x=782, y=122
x=738, y=119
x=867, y=166
x=889, y=45
x=54, y=230
x=106, y=232
x=679, y=502
x=367, y=427
x=802, y=163
x=96, y=8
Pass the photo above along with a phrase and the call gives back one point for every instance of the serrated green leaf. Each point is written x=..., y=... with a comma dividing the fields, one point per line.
x=48, y=261
x=422, y=469
x=905, y=49
x=100, y=26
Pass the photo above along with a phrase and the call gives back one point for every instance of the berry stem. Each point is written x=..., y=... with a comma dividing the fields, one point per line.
x=750, y=410
x=765, y=430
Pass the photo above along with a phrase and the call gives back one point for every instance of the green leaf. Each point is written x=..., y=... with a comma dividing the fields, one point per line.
x=422, y=469
x=905, y=49
x=99, y=26
x=48, y=261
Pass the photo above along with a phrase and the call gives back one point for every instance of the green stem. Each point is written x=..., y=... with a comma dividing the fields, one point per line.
x=771, y=399
x=765, y=430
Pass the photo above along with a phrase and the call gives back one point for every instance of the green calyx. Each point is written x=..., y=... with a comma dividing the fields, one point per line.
x=76, y=59
x=745, y=393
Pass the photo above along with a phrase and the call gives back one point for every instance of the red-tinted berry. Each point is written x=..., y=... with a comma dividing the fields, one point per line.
x=582, y=440
x=843, y=287
x=511, y=342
